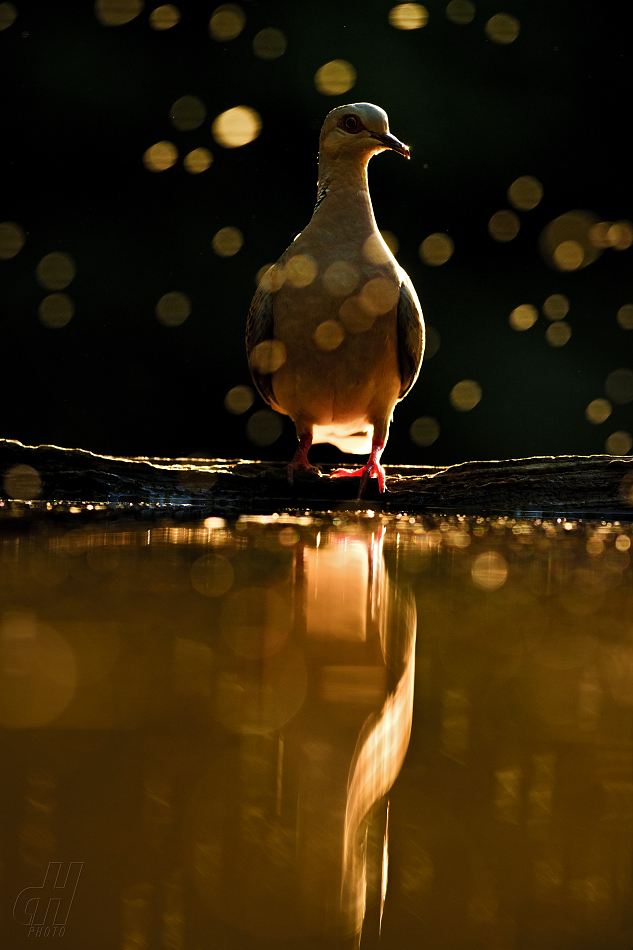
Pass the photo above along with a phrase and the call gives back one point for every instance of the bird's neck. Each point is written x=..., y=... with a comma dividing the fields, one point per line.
x=343, y=189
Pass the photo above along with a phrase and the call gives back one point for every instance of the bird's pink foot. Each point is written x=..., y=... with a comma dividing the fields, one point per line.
x=373, y=469
x=300, y=461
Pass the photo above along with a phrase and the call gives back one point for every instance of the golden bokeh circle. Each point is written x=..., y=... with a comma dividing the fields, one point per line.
x=236, y=127
x=173, y=309
x=269, y=43
x=460, y=12
x=408, y=16
x=8, y=13
x=569, y=255
x=117, y=12
x=598, y=411
x=160, y=156
x=187, y=113
x=625, y=316
x=329, y=335
x=340, y=278
x=566, y=244
x=557, y=334
x=556, y=307
x=525, y=193
x=239, y=400
x=12, y=238
x=465, y=395
x=436, y=249
x=489, y=571
x=197, y=161
x=300, y=270
x=212, y=575
x=22, y=483
x=619, y=386
x=164, y=17
x=619, y=443
x=227, y=22
x=504, y=225
x=264, y=427
x=335, y=78
x=523, y=317
x=55, y=271
x=56, y=311
x=268, y=356
x=227, y=241
x=502, y=28
x=424, y=431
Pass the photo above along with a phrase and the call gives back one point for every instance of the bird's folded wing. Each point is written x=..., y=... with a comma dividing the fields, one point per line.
x=260, y=327
x=410, y=335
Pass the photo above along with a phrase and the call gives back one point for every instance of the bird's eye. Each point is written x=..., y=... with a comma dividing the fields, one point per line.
x=351, y=123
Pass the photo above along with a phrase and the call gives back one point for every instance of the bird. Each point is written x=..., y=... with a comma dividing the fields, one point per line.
x=335, y=333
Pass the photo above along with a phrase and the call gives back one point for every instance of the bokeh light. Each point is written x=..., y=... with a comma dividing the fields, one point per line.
x=56, y=311
x=227, y=241
x=523, y=317
x=22, y=483
x=173, y=309
x=55, y=271
x=188, y=112
x=212, y=575
x=391, y=241
x=556, y=307
x=625, y=316
x=197, y=161
x=164, y=17
x=227, y=21
x=502, y=28
x=300, y=270
x=260, y=273
x=268, y=356
x=489, y=570
x=12, y=238
x=264, y=427
x=436, y=249
x=565, y=242
x=620, y=235
x=329, y=335
x=424, y=431
x=239, y=400
x=408, y=16
x=160, y=156
x=504, y=225
x=8, y=13
x=379, y=296
x=619, y=386
x=340, y=279
x=598, y=411
x=465, y=395
x=236, y=127
x=270, y=43
x=375, y=249
x=557, y=334
x=619, y=443
x=335, y=78
x=117, y=12
x=460, y=12
x=432, y=341
x=525, y=193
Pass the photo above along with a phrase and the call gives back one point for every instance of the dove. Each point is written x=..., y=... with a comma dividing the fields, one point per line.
x=335, y=334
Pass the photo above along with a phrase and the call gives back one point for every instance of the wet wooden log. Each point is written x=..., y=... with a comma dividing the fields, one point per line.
x=600, y=484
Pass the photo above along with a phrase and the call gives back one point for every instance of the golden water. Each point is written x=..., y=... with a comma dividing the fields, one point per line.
x=246, y=739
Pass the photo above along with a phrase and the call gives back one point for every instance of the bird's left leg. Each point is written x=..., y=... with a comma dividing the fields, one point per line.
x=300, y=461
x=373, y=468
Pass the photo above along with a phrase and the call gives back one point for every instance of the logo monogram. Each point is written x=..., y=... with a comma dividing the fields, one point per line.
x=46, y=908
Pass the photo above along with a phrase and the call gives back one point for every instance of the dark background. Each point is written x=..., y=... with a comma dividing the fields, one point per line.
x=81, y=103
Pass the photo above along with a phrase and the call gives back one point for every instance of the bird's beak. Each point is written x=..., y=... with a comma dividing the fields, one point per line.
x=390, y=141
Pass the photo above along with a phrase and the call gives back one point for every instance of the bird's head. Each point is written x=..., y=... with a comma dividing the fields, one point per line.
x=358, y=130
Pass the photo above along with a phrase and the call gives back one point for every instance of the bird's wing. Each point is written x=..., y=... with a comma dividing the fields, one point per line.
x=410, y=335
x=259, y=327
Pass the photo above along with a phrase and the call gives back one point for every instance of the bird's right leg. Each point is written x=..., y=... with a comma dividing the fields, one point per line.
x=300, y=461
